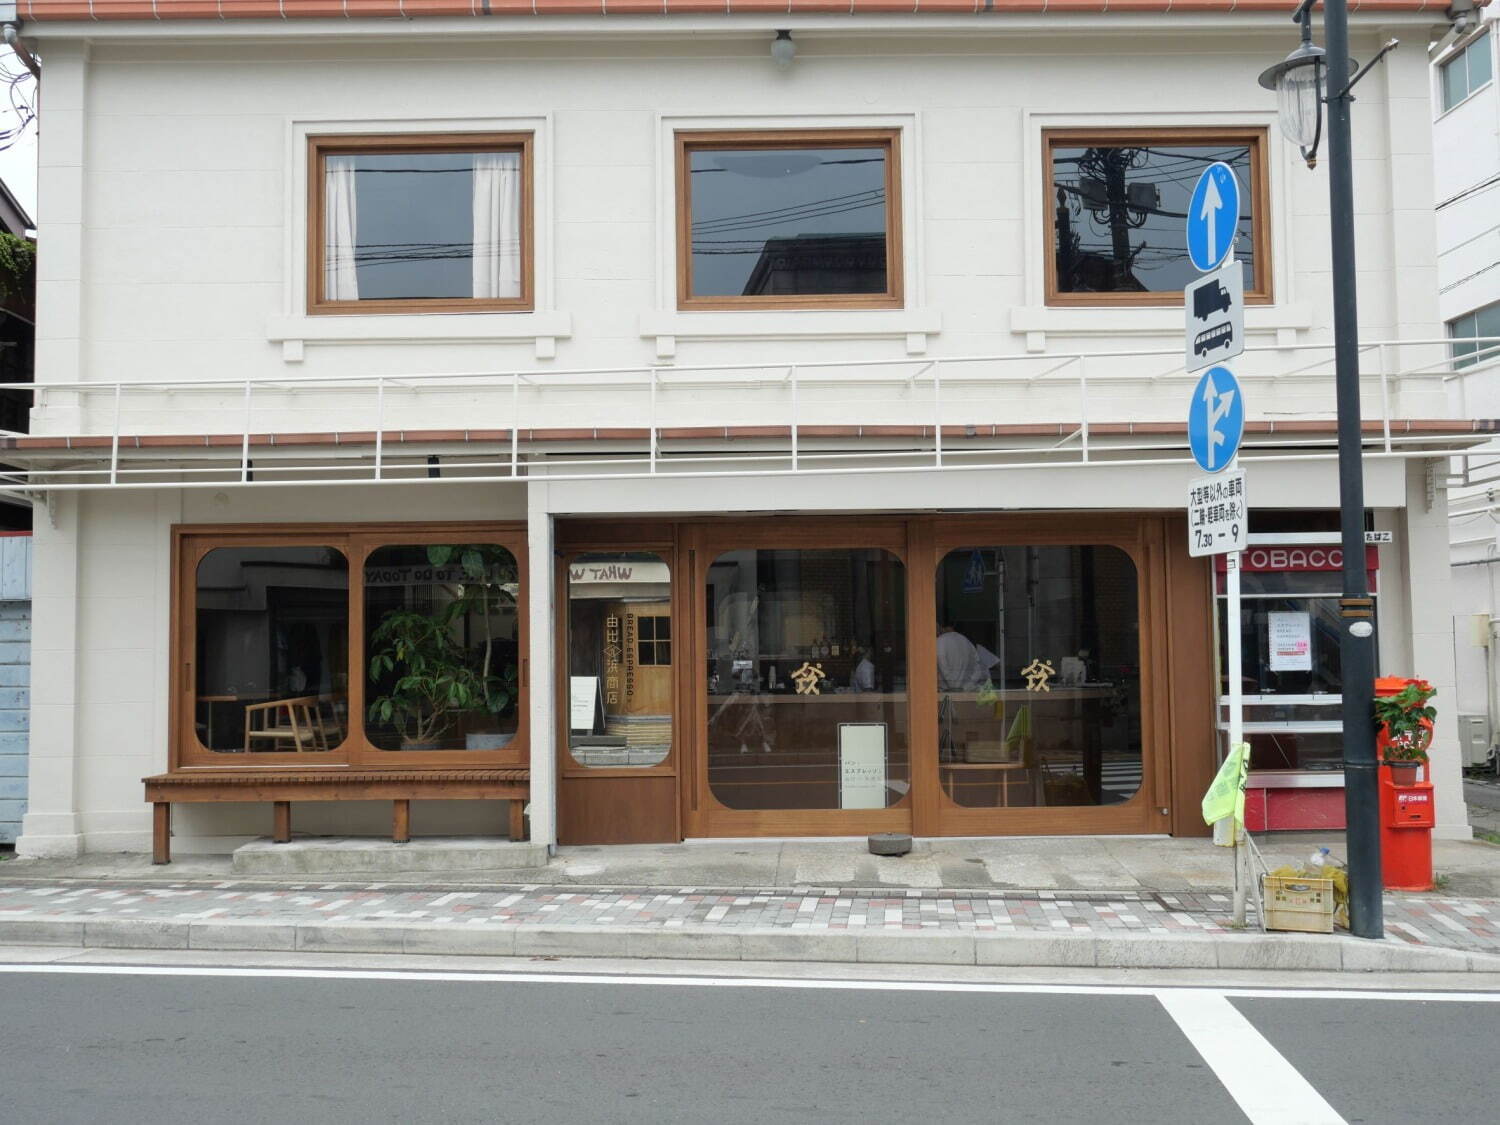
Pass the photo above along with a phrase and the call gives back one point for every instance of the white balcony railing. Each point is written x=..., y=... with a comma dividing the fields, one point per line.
x=856, y=415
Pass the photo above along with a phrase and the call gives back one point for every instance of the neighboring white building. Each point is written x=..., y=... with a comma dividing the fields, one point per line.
x=1466, y=149
x=668, y=416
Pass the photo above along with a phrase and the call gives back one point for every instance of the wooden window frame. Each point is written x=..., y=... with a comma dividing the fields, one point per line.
x=1263, y=290
x=694, y=141
x=190, y=543
x=319, y=147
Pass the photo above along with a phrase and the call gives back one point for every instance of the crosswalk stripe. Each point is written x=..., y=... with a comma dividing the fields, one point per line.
x=1268, y=1089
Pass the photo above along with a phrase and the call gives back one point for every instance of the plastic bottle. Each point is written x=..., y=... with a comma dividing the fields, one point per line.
x=1322, y=862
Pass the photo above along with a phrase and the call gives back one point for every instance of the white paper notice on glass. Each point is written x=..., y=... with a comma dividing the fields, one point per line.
x=583, y=693
x=1290, y=641
x=862, y=766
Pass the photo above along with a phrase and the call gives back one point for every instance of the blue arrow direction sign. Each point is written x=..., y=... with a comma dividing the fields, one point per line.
x=1213, y=216
x=1216, y=419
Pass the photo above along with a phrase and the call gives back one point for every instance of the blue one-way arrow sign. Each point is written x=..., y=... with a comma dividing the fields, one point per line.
x=1213, y=216
x=1216, y=419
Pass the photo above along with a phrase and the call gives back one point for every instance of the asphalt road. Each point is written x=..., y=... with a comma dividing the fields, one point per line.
x=105, y=1044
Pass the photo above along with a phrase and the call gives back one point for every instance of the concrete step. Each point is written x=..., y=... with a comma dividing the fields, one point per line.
x=333, y=855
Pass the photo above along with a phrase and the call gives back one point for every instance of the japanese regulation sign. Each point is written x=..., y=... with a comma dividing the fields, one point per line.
x=1215, y=308
x=1217, y=514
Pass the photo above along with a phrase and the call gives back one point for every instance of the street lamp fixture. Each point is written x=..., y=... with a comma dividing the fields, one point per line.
x=1298, y=82
x=783, y=50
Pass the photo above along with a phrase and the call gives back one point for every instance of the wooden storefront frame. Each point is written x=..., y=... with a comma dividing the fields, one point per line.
x=191, y=542
x=1140, y=539
x=1174, y=605
x=642, y=816
x=703, y=814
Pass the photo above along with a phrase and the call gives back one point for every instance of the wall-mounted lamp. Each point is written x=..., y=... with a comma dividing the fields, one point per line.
x=783, y=50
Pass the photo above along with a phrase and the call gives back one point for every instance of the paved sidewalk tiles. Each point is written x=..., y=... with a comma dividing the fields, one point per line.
x=162, y=912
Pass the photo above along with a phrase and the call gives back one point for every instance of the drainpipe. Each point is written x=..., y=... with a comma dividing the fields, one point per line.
x=13, y=38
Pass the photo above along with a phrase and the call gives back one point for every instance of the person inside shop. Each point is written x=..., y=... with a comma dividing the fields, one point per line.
x=959, y=666
x=863, y=676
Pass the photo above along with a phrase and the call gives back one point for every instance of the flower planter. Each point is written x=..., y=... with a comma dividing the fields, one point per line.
x=1403, y=772
x=1402, y=704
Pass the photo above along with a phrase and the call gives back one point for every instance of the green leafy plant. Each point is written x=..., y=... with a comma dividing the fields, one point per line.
x=489, y=583
x=1407, y=720
x=435, y=679
x=17, y=256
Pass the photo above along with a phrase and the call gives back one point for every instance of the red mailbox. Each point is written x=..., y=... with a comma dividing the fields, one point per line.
x=1406, y=821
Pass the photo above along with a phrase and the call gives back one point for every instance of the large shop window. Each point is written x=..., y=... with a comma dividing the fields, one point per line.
x=789, y=220
x=1039, y=676
x=1116, y=202
x=619, y=660
x=419, y=224
x=807, y=689
x=350, y=648
x=272, y=669
x=1290, y=658
x=442, y=647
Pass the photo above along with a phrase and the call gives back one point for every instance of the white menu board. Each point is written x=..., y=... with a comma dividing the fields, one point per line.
x=583, y=696
x=1290, y=641
x=862, y=773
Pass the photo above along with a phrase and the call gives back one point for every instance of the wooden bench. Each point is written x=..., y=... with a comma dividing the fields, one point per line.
x=282, y=787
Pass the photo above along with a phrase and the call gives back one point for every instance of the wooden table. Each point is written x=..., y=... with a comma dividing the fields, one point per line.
x=980, y=714
x=953, y=775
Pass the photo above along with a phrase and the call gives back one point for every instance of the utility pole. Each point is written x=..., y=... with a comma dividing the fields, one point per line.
x=1115, y=161
x=1356, y=638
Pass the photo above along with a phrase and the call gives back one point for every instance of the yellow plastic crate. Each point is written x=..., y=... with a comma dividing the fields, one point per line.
x=1295, y=902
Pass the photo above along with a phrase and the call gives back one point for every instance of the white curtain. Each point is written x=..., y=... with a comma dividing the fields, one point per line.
x=497, y=224
x=340, y=228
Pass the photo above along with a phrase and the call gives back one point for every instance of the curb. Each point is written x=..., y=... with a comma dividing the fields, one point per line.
x=1286, y=952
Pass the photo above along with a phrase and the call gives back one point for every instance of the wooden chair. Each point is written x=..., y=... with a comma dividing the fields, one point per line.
x=298, y=721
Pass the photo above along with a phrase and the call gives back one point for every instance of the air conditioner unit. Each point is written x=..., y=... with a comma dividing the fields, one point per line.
x=1474, y=739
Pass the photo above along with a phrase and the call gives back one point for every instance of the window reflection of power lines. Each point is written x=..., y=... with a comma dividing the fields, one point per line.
x=816, y=164
x=813, y=209
x=1120, y=203
x=785, y=247
x=390, y=253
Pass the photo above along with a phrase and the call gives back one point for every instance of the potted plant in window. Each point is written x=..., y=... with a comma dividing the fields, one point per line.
x=1405, y=726
x=435, y=682
x=489, y=583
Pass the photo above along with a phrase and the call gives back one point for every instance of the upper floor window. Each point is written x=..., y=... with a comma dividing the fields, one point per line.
x=1466, y=71
x=1117, y=205
x=801, y=219
x=419, y=224
x=1468, y=332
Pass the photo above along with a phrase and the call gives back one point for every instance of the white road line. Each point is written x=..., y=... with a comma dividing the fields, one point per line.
x=810, y=984
x=1268, y=1089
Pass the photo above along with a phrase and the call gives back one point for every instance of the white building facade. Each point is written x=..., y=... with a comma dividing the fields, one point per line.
x=583, y=401
x=1466, y=146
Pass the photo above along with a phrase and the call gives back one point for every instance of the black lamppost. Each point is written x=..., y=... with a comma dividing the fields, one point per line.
x=1300, y=83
